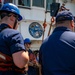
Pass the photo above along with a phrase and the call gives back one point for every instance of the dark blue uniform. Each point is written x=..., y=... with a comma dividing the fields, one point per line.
x=57, y=53
x=11, y=41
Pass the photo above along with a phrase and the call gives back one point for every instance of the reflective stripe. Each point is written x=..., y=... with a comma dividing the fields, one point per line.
x=1, y=56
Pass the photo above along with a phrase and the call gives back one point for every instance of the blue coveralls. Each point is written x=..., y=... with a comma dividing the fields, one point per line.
x=11, y=41
x=57, y=53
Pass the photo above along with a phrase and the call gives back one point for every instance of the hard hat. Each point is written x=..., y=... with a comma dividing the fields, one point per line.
x=27, y=40
x=9, y=7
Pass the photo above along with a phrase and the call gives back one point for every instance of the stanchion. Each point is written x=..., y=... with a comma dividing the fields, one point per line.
x=44, y=26
x=52, y=21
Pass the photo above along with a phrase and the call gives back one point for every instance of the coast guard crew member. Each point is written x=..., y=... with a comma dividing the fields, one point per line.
x=13, y=57
x=57, y=53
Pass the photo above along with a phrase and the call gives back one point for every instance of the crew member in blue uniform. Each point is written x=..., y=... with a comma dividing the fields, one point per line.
x=33, y=64
x=13, y=56
x=57, y=52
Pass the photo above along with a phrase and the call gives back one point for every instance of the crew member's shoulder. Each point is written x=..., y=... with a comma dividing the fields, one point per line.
x=8, y=30
x=72, y=34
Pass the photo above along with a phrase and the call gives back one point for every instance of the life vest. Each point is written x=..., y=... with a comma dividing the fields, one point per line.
x=6, y=64
x=0, y=1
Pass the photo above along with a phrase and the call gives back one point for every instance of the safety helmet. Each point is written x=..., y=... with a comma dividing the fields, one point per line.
x=27, y=40
x=9, y=7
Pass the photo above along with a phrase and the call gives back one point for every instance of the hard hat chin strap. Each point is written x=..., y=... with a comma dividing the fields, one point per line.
x=15, y=23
